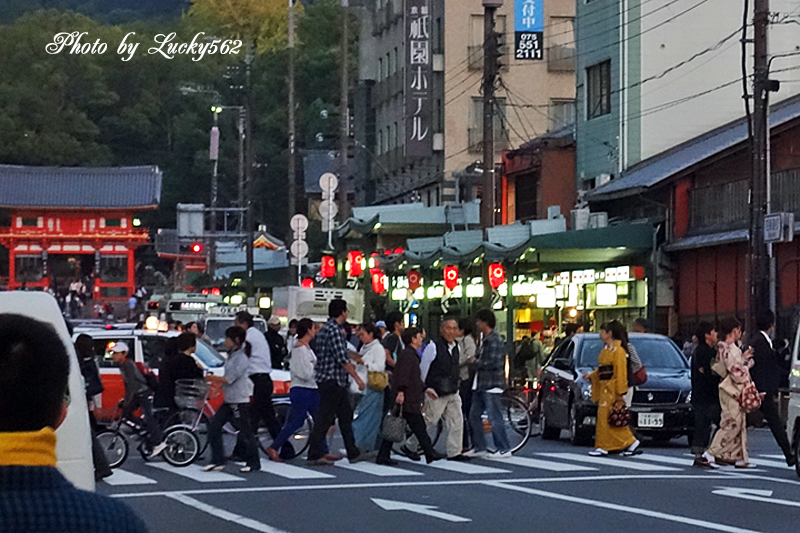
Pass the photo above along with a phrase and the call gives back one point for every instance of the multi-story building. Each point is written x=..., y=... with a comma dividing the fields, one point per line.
x=652, y=75
x=418, y=104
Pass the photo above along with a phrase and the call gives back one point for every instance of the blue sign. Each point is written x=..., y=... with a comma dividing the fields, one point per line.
x=529, y=15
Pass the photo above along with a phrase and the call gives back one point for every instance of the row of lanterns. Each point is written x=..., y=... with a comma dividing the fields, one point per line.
x=356, y=264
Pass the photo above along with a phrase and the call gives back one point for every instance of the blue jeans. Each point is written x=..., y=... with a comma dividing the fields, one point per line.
x=490, y=402
x=304, y=402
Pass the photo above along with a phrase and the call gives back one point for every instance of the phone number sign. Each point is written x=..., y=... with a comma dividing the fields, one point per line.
x=529, y=30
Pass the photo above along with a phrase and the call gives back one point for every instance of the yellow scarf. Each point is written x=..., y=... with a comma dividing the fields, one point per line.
x=28, y=448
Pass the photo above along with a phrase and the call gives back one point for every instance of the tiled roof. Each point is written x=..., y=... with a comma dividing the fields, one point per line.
x=80, y=187
x=687, y=155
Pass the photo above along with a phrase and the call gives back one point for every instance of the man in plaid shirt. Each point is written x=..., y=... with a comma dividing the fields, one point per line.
x=332, y=370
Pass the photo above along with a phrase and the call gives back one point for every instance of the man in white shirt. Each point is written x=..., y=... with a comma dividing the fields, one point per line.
x=258, y=371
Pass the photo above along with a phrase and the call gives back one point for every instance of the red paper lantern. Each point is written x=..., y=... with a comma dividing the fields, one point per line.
x=328, y=267
x=378, y=281
x=356, y=259
x=451, y=277
x=497, y=275
x=307, y=283
x=414, y=280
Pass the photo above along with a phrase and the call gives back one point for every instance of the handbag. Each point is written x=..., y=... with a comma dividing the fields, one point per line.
x=394, y=426
x=377, y=380
x=619, y=416
x=638, y=377
x=750, y=399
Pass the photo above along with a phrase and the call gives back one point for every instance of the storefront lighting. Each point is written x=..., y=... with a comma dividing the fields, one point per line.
x=399, y=295
x=498, y=304
x=502, y=290
x=474, y=291
x=573, y=313
x=532, y=299
x=371, y=262
x=265, y=302
x=236, y=299
x=606, y=294
x=436, y=291
x=419, y=294
x=572, y=298
x=546, y=299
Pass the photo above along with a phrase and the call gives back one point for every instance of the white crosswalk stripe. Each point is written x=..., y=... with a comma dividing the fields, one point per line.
x=454, y=466
x=289, y=471
x=195, y=472
x=772, y=456
x=771, y=464
x=123, y=477
x=376, y=470
x=606, y=461
x=540, y=464
x=678, y=461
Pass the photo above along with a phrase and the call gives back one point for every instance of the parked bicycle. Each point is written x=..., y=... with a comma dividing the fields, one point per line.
x=182, y=448
x=193, y=398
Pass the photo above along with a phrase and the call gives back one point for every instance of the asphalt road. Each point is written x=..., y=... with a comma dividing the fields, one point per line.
x=547, y=486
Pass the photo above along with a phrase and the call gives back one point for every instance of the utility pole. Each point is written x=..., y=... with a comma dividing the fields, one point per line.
x=247, y=190
x=344, y=112
x=292, y=193
x=758, y=267
x=489, y=77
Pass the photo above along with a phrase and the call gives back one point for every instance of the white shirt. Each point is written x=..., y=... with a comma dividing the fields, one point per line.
x=428, y=356
x=302, y=367
x=260, y=360
x=769, y=341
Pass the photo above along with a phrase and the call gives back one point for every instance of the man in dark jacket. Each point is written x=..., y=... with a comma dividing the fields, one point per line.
x=35, y=496
x=766, y=374
x=705, y=393
x=441, y=372
x=277, y=344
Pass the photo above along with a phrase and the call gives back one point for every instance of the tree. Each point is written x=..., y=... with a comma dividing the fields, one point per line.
x=261, y=23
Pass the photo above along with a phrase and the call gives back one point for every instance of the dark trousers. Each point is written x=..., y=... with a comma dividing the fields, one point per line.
x=465, y=391
x=770, y=411
x=240, y=417
x=704, y=417
x=262, y=404
x=334, y=403
x=417, y=425
x=101, y=468
x=148, y=420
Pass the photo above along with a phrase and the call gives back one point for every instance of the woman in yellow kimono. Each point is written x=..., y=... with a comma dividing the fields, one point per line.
x=609, y=385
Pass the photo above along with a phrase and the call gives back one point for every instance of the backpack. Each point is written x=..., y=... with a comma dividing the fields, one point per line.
x=149, y=377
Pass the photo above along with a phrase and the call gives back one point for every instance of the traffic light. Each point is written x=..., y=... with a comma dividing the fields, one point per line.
x=196, y=248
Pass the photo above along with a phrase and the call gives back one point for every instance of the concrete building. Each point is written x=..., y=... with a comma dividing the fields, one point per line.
x=652, y=75
x=418, y=118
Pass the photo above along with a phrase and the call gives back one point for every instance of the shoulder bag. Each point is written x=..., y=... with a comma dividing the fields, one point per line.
x=377, y=380
x=394, y=426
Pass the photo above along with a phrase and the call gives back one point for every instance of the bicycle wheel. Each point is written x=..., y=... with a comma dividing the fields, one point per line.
x=299, y=439
x=189, y=417
x=115, y=447
x=183, y=447
x=412, y=443
x=516, y=419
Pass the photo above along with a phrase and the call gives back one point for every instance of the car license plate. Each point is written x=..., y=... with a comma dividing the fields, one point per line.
x=651, y=420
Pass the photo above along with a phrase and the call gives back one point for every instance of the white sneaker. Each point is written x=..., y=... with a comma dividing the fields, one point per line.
x=474, y=453
x=500, y=455
x=158, y=449
x=598, y=452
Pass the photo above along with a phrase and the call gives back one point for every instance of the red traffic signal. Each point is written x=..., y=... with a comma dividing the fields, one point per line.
x=328, y=267
x=450, y=277
x=197, y=248
x=497, y=275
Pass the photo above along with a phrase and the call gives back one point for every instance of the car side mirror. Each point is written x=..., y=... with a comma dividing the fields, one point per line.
x=562, y=364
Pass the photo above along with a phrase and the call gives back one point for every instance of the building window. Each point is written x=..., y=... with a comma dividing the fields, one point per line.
x=438, y=116
x=561, y=44
x=113, y=222
x=438, y=36
x=525, y=197
x=28, y=268
x=114, y=269
x=30, y=222
x=379, y=144
x=475, y=48
x=475, y=133
x=562, y=113
x=380, y=69
x=598, y=94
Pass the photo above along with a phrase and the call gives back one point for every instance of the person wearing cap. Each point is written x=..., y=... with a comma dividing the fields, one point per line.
x=137, y=394
x=277, y=344
x=381, y=325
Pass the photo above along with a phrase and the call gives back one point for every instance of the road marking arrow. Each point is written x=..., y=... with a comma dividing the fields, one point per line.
x=427, y=510
x=755, y=495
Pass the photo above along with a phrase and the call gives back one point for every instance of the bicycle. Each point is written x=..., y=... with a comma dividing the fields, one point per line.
x=192, y=397
x=182, y=444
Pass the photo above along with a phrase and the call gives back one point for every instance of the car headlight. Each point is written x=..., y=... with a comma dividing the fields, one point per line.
x=586, y=390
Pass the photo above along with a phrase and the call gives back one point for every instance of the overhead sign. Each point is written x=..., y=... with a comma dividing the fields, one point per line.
x=419, y=133
x=529, y=30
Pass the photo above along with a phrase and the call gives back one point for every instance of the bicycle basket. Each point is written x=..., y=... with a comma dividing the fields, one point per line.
x=191, y=393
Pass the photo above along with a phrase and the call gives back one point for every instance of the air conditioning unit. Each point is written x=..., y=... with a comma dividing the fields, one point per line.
x=553, y=212
x=580, y=218
x=602, y=179
x=598, y=220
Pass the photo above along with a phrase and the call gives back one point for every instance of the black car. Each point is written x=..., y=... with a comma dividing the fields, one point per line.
x=660, y=409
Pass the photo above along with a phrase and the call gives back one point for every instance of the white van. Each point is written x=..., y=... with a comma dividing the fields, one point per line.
x=793, y=418
x=73, y=438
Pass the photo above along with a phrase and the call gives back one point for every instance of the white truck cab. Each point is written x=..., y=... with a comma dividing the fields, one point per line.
x=793, y=418
x=73, y=437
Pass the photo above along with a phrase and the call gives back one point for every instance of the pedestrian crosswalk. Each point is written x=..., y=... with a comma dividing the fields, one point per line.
x=559, y=462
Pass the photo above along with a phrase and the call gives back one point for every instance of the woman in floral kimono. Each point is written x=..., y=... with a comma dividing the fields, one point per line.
x=609, y=385
x=730, y=442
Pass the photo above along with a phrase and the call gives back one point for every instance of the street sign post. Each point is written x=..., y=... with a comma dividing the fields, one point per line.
x=328, y=209
x=299, y=247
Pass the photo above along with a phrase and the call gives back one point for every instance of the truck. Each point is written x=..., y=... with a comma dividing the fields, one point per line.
x=300, y=302
x=186, y=307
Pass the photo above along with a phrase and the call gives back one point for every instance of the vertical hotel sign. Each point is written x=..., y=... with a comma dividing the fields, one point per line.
x=529, y=29
x=418, y=80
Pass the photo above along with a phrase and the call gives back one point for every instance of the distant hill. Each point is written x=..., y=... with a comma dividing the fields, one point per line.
x=111, y=11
